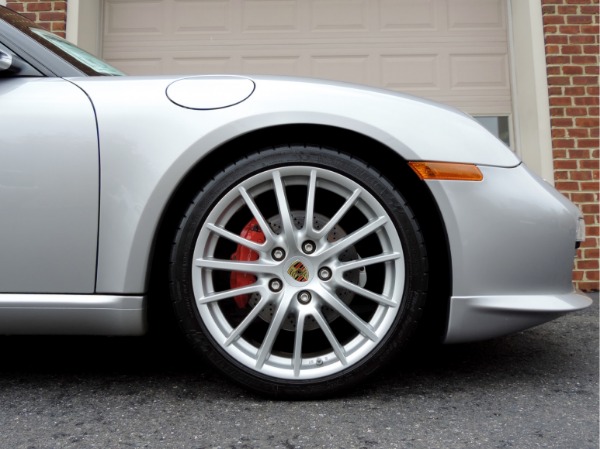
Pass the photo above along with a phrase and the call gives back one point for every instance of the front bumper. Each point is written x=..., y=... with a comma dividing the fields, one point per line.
x=512, y=243
x=483, y=317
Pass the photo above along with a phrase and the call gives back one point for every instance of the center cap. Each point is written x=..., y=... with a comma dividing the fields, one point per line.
x=298, y=271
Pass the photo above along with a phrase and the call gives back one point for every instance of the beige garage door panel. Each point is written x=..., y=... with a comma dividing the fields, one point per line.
x=453, y=51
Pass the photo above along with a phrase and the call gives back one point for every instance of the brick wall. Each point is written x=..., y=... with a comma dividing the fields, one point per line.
x=50, y=14
x=571, y=36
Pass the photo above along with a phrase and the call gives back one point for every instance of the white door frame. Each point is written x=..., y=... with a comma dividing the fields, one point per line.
x=529, y=83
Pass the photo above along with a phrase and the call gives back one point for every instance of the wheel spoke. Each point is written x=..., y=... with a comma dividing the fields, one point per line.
x=238, y=331
x=226, y=294
x=258, y=247
x=297, y=357
x=360, y=263
x=342, y=244
x=256, y=213
x=339, y=214
x=310, y=204
x=346, y=312
x=234, y=265
x=380, y=299
x=335, y=345
x=267, y=345
x=284, y=210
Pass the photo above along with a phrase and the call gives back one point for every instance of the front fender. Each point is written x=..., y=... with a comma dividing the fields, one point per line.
x=148, y=144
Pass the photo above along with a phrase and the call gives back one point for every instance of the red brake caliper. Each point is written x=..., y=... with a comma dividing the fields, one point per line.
x=238, y=279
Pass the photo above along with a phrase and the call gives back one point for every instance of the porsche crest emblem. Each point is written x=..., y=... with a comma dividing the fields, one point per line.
x=298, y=271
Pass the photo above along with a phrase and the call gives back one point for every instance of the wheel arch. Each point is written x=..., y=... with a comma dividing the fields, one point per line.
x=391, y=164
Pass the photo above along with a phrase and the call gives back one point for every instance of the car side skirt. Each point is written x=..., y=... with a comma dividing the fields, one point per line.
x=482, y=317
x=29, y=314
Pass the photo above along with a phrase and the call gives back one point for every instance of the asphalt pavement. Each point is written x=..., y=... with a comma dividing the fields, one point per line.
x=535, y=389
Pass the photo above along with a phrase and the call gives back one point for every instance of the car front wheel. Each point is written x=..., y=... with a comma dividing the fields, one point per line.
x=298, y=271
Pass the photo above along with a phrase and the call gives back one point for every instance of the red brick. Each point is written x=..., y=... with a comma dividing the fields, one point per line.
x=587, y=143
x=52, y=16
x=18, y=7
x=591, y=70
x=594, y=186
x=572, y=70
x=581, y=175
x=580, y=39
x=591, y=50
x=557, y=112
x=558, y=39
x=564, y=143
x=555, y=70
x=564, y=122
x=585, y=80
x=592, y=10
x=579, y=154
x=578, y=132
x=592, y=275
x=569, y=29
x=567, y=9
x=553, y=20
x=549, y=29
x=579, y=197
x=580, y=19
x=589, y=29
x=559, y=132
x=574, y=112
x=552, y=49
x=588, y=165
x=39, y=6
x=578, y=2
x=561, y=175
x=570, y=50
x=565, y=165
x=587, y=264
x=558, y=59
x=58, y=26
x=592, y=231
x=592, y=209
x=587, y=101
x=565, y=186
x=593, y=90
x=592, y=253
x=584, y=59
x=574, y=91
x=559, y=80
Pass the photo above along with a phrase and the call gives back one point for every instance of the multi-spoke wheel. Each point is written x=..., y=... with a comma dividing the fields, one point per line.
x=298, y=271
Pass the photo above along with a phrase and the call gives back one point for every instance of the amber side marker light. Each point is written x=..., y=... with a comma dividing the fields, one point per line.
x=446, y=171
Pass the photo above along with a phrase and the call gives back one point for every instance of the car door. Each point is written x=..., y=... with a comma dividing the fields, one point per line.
x=49, y=186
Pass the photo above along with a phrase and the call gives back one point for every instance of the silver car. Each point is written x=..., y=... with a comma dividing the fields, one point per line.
x=303, y=231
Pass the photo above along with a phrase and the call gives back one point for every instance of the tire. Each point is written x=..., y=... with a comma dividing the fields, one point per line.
x=354, y=282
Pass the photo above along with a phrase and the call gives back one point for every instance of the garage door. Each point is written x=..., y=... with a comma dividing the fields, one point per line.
x=453, y=51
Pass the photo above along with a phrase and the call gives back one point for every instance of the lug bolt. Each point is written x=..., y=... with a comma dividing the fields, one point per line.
x=309, y=247
x=324, y=274
x=278, y=254
x=275, y=285
x=304, y=297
